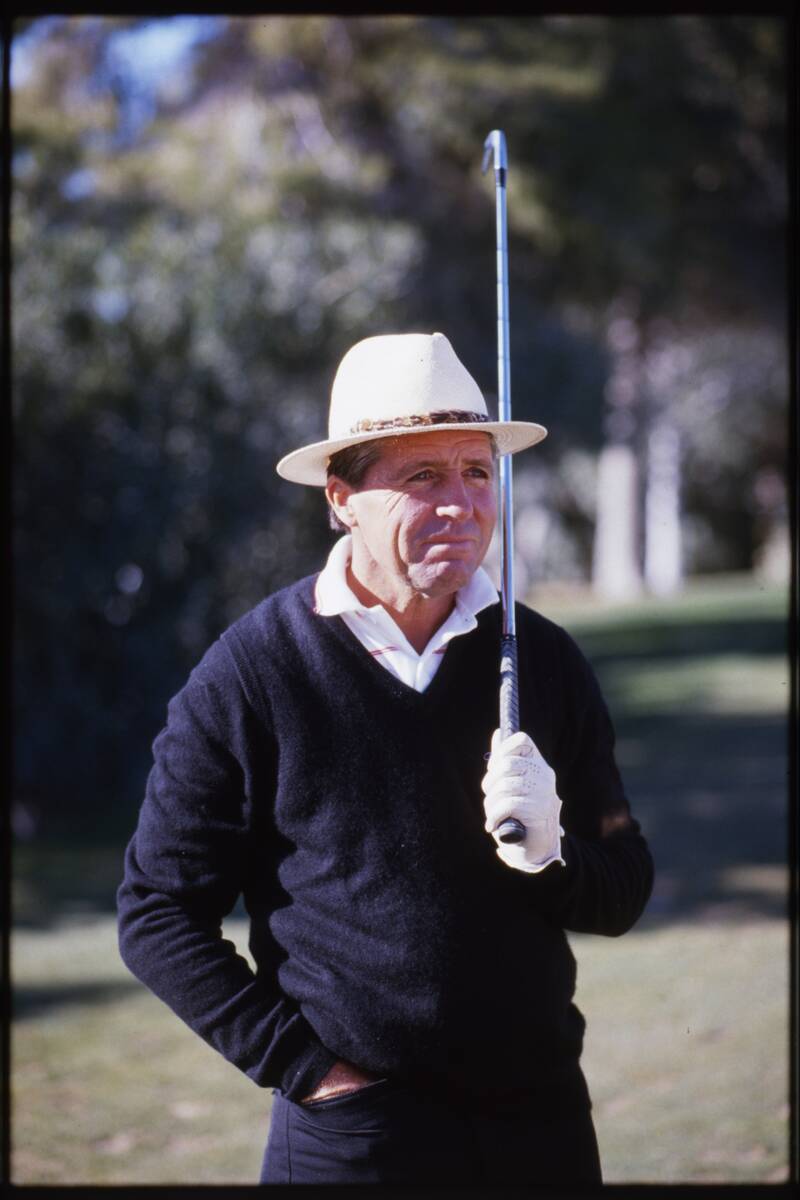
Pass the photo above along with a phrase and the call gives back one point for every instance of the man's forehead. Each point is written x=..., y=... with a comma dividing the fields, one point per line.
x=443, y=444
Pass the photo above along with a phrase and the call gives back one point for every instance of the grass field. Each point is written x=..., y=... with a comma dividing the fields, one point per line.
x=687, y=1051
x=686, y=1056
x=687, y=1040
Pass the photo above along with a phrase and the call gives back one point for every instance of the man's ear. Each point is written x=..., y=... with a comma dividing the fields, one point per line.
x=339, y=493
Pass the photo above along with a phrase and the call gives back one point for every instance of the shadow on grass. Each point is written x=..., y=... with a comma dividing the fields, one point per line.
x=655, y=640
x=32, y=1001
x=709, y=788
x=53, y=881
x=711, y=795
x=57, y=881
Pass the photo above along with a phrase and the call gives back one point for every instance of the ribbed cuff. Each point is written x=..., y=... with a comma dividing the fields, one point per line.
x=559, y=885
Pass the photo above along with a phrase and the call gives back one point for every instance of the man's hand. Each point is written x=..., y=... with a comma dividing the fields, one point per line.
x=520, y=783
x=342, y=1078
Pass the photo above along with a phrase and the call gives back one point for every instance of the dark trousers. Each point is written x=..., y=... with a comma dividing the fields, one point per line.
x=388, y=1133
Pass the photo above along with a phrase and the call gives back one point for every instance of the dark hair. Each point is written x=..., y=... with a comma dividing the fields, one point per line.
x=351, y=465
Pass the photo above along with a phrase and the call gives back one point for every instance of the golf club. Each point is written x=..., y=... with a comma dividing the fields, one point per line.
x=511, y=830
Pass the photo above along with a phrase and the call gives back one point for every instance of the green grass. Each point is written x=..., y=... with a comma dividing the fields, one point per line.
x=687, y=1040
x=709, y=598
x=686, y=1056
x=687, y=1051
x=108, y=1086
x=732, y=684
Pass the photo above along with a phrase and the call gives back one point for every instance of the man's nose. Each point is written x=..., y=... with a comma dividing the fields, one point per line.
x=455, y=500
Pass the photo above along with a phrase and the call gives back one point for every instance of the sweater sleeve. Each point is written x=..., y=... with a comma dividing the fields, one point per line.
x=608, y=876
x=185, y=867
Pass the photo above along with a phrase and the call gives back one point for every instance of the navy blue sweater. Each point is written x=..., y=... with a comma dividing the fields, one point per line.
x=346, y=809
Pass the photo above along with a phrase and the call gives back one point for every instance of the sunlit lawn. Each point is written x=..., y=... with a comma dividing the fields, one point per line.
x=687, y=1051
x=686, y=1056
x=108, y=1086
x=687, y=1041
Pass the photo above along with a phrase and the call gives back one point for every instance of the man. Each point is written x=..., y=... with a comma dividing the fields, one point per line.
x=412, y=1002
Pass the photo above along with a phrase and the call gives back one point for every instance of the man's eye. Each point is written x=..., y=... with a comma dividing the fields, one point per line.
x=479, y=472
x=426, y=474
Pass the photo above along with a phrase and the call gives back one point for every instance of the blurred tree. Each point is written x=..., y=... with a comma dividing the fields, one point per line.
x=184, y=284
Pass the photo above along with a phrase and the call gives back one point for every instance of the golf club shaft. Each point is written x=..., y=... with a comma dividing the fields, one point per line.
x=510, y=830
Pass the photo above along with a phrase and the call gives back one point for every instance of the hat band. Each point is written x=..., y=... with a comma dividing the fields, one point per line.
x=447, y=416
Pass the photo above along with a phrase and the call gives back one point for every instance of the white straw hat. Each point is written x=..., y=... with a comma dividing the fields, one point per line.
x=398, y=384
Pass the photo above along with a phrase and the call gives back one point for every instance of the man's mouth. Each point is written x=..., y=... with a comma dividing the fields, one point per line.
x=447, y=539
x=455, y=547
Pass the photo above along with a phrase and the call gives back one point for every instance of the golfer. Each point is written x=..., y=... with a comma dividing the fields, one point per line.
x=334, y=759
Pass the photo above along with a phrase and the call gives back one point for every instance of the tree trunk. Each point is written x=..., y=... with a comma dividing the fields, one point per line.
x=663, y=567
x=615, y=569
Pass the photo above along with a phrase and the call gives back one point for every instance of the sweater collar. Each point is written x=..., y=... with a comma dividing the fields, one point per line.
x=332, y=596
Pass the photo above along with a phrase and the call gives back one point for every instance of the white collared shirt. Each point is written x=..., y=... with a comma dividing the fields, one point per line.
x=381, y=635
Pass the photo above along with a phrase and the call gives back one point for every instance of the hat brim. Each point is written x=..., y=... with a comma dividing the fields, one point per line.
x=310, y=464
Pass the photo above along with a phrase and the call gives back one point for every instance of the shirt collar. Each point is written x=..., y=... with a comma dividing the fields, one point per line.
x=332, y=596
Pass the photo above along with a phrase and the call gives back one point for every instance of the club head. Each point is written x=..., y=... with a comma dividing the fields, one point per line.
x=495, y=148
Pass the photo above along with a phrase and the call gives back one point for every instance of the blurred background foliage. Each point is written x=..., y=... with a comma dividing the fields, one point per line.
x=197, y=240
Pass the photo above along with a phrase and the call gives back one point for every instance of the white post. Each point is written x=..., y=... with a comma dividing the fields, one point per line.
x=615, y=569
x=663, y=567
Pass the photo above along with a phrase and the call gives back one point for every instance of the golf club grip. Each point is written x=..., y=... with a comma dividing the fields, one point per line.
x=511, y=830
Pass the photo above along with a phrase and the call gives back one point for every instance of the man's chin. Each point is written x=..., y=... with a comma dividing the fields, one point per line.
x=442, y=579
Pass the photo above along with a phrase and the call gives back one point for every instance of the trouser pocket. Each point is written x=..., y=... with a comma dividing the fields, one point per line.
x=381, y=1133
x=344, y=1139
x=367, y=1092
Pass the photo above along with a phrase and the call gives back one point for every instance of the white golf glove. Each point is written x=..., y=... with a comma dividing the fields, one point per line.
x=520, y=783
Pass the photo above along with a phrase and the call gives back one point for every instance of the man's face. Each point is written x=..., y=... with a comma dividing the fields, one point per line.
x=423, y=516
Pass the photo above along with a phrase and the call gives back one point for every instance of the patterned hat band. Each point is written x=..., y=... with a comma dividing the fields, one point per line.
x=447, y=416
